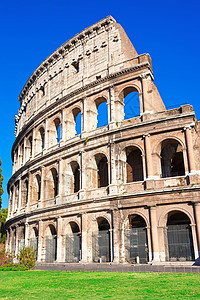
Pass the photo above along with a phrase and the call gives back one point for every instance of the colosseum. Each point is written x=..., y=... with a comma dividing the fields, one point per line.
x=102, y=172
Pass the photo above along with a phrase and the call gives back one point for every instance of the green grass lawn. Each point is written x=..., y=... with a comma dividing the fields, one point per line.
x=98, y=285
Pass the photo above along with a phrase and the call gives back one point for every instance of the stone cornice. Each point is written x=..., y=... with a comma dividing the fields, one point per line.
x=109, y=133
x=112, y=198
x=63, y=49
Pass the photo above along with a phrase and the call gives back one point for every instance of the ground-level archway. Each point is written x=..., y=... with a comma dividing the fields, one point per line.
x=34, y=240
x=73, y=243
x=101, y=248
x=51, y=244
x=136, y=244
x=179, y=244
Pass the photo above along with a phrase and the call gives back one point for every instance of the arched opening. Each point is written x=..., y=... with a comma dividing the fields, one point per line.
x=34, y=240
x=21, y=237
x=51, y=244
x=41, y=138
x=102, y=170
x=102, y=112
x=76, y=177
x=130, y=97
x=179, y=237
x=134, y=166
x=30, y=146
x=77, y=119
x=54, y=174
x=38, y=180
x=73, y=243
x=172, y=163
x=136, y=244
x=58, y=129
x=101, y=242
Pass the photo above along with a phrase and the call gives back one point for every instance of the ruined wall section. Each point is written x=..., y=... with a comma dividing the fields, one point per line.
x=95, y=53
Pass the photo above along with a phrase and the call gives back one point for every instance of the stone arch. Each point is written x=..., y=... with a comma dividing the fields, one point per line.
x=67, y=226
x=54, y=181
x=73, y=242
x=129, y=95
x=37, y=190
x=136, y=239
x=134, y=164
x=102, y=170
x=132, y=144
x=156, y=148
x=75, y=176
x=101, y=111
x=40, y=139
x=162, y=221
x=134, y=212
x=170, y=159
x=77, y=119
x=34, y=238
x=178, y=236
x=101, y=241
x=51, y=242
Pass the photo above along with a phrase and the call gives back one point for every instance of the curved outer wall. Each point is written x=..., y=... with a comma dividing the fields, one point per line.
x=56, y=188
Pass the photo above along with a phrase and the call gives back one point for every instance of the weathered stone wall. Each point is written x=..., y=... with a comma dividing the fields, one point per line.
x=64, y=184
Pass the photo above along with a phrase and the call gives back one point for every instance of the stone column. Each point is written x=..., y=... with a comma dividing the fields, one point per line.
x=33, y=142
x=115, y=109
x=154, y=233
x=190, y=151
x=61, y=181
x=42, y=192
x=17, y=240
x=7, y=241
x=40, y=241
x=26, y=234
x=64, y=125
x=112, y=170
x=149, y=242
x=196, y=205
x=115, y=234
x=147, y=145
x=47, y=135
x=60, y=246
x=20, y=195
x=194, y=239
x=147, y=96
x=84, y=237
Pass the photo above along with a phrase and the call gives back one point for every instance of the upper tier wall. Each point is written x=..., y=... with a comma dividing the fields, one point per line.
x=96, y=52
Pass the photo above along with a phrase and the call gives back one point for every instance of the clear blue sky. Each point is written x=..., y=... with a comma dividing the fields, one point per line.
x=32, y=30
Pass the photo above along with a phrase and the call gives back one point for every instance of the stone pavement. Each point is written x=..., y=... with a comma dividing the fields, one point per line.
x=106, y=267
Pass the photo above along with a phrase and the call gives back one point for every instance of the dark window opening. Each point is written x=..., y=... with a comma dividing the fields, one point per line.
x=38, y=186
x=55, y=181
x=42, y=89
x=172, y=163
x=134, y=167
x=75, y=64
x=103, y=172
x=98, y=77
x=76, y=180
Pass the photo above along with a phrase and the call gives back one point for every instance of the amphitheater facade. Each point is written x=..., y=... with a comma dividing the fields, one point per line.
x=125, y=192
